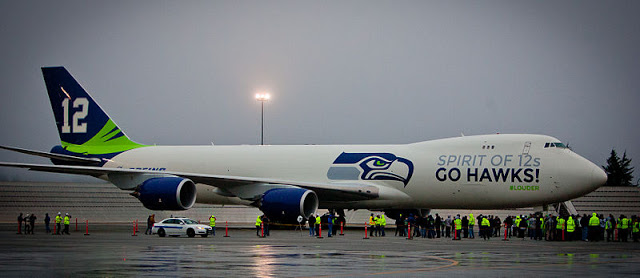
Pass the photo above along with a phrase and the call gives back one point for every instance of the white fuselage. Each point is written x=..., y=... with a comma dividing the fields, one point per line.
x=487, y=171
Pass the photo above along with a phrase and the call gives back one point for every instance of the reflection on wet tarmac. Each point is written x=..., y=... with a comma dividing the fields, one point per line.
x=287, y=256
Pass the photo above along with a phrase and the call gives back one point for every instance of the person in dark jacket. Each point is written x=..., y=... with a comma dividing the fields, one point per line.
x=47, y=220
x=32, y=222
x=465, y=227
x=151, y=220
x=584, y=223
x=523, y=226
x=20, y=219
x=438, y=223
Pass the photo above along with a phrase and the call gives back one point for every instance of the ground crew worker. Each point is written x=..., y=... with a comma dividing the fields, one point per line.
x=258, y=225
x=609, y=226
x=67, y=219
x=560, y=226
x=372, y=224
x=472, y=221
x=623, y=228
x=516, y=226
x=485, y=228
x=383, y=224
x=330, y=219
x=571, y=227
x=635, y=231
x=594, y=224
x=212, y=223
x=458, y=224
x=58, y=220
x=318, y=223
x=377, y=221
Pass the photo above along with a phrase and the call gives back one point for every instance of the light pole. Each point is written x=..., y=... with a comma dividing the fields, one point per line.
x=262, y=97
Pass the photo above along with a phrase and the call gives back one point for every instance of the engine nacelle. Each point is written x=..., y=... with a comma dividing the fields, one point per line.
x=166, y=193
x=286, y=204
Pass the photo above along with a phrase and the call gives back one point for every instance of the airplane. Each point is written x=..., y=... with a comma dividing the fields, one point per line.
x=495, y=171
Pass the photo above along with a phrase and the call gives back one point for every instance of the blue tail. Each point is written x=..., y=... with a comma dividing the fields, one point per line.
x=83, y=126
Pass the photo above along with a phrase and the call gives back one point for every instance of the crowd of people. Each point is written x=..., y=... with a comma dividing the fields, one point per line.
x=534, y=226
x=27, y=223
x=330, y=220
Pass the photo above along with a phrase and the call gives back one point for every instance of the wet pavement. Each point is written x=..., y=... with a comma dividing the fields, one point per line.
x=112, y=251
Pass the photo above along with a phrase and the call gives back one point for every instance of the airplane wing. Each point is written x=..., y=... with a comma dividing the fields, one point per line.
x=325, y=191
x=63, y=157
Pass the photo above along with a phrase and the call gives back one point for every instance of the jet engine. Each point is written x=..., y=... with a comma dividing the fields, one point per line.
x=166, y=193
x=286, y=204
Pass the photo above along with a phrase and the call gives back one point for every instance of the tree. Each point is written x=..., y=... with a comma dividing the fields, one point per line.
x=619, y=170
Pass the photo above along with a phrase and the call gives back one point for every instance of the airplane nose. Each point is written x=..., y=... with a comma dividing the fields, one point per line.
x=598, y=176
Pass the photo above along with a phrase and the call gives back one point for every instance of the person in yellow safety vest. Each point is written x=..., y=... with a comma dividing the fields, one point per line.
x=372, y=224
x=458, y=224
x=67, y=220
x=560, y=226
x=58, y=221
x=376, y=220
x=472, y=221
x=623, y=228
x=635, y=231
x=571, y=227
x=212, y=223
x=258, y=225
x=609, y=226
x=540, y=228
x=485, y=228
x=318, y=223
x=594, y=227
x=383, y=224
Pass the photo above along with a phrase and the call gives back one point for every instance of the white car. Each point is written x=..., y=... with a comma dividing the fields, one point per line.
x=178, y=226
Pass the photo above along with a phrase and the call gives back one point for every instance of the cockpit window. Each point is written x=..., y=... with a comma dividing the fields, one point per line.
x=555, y=145
x=560, y=145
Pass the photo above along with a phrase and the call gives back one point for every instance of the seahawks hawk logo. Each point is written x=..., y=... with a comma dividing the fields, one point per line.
x=371, y=166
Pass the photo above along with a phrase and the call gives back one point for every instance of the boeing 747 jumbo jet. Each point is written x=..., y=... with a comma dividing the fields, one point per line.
x=470, y=172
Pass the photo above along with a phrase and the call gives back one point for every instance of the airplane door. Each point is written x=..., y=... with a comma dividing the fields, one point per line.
x=527, y=146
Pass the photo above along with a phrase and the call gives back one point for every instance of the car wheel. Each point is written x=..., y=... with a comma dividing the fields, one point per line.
x=161, y=233
x=191, y=233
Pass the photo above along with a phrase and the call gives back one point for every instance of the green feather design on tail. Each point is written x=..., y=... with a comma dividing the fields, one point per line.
x=109, y=139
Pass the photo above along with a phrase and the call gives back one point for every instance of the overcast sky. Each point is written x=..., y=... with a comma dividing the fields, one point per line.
x=340, y=72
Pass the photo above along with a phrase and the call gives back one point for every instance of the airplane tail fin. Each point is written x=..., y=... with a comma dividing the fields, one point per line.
x=83, y=126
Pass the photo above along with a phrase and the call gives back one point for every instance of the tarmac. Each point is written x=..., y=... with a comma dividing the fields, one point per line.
x=111, y=250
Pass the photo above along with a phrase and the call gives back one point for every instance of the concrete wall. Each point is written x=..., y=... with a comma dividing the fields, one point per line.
x=105, y=203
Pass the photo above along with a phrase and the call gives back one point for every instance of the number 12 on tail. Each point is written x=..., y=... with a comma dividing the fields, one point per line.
x=76, y=126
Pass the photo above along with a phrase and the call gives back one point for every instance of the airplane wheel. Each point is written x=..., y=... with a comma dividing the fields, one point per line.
x=161, y=233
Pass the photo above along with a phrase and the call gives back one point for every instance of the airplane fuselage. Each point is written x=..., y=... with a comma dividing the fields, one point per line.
x=487, y=171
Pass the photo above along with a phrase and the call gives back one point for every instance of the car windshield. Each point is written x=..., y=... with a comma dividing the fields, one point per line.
x=189, y=221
